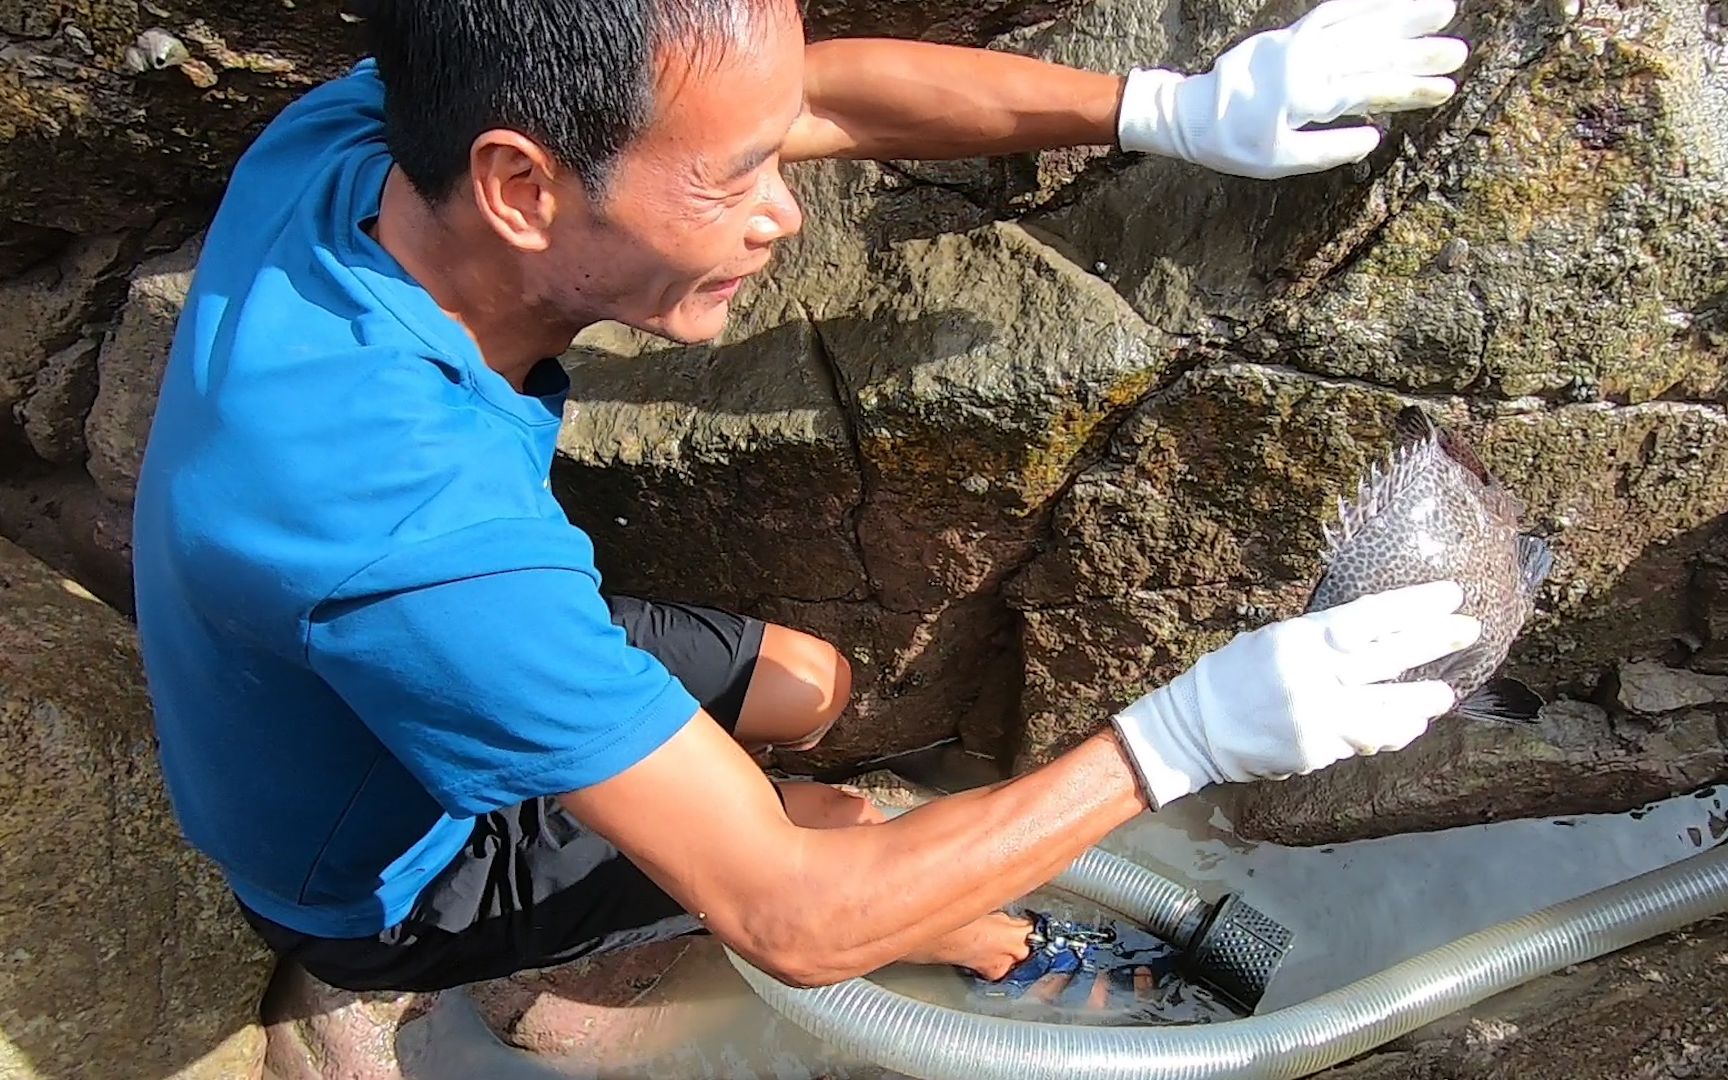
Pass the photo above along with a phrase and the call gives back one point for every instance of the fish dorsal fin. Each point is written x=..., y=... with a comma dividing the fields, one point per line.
x=1414, y=426
x=1376, y=491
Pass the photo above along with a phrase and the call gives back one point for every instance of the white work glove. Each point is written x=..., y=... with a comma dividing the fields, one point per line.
x=1245, y=116
x=1299, y=695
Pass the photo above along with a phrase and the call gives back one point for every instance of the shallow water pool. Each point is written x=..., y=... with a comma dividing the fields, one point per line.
x=1356, y=908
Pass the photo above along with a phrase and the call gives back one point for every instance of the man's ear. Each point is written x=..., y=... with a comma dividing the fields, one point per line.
x=516, y=188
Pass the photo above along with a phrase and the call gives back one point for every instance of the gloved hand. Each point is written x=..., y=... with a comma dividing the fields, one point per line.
x=1246, y=115
x=1299, y=695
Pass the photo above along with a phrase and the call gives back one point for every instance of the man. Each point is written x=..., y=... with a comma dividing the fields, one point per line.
x=395, y=705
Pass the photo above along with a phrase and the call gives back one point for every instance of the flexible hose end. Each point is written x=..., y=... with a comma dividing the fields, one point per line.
x=1237, y=952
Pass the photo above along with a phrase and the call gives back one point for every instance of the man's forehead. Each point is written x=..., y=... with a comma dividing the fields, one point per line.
x=733, y=109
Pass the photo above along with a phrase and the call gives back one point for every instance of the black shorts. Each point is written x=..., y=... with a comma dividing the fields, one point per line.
x=533, y=888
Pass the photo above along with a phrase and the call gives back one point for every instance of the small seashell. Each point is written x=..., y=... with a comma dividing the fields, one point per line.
x=154, y=50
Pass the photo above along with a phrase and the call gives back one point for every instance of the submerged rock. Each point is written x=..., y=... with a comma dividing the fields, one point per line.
x=121, y=954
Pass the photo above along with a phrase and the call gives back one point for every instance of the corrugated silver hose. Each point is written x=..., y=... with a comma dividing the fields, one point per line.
x=932, y=1042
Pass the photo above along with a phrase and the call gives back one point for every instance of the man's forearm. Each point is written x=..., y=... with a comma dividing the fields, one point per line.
x=815, y=904
x=881, y=98
x=945, y=864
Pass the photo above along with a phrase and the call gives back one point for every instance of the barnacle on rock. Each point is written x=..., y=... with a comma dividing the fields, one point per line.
x=154, y=50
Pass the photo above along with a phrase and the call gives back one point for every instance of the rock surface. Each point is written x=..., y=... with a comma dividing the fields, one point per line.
x=144, y=141
x=120, y=952
x=317, y=1032
x=130, y=370
x=43, y=314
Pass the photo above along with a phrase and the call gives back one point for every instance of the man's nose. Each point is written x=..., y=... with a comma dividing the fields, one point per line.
x=777, y=213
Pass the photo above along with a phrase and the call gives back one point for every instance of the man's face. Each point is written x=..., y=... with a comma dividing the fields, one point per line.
x=696, y=203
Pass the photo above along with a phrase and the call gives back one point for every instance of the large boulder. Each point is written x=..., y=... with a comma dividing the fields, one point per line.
x=121, y=954
x=871, y=450
x=1543, y=263
x=1172, y=544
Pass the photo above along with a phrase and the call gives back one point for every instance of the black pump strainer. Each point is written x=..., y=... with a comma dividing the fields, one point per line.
x=1236, y=950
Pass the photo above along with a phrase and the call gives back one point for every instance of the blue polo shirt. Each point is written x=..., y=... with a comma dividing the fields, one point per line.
x=364, y=619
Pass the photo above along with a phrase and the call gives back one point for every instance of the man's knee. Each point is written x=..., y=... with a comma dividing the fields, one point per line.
x=822, y=806
x=801, y=686
x=833, y=674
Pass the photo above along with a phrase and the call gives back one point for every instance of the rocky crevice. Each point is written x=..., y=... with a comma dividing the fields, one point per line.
x=846, y=405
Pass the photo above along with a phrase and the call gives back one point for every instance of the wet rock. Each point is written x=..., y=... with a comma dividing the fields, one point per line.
x=130, y=369
x=734, y=459
x=889, y=790
x=317, y=1032
x=1087, y=661
x=1653, y=689
x=917, y=677
x=121, y=953
x=1577, y=760
x=677, y=1011
x=595, y=1007
x=1658, y=1009
x=985, y=353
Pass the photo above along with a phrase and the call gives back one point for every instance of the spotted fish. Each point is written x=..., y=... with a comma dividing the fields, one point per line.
x=1434, y=512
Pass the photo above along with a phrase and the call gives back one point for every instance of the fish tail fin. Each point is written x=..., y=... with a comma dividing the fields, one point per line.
x=1536, y=560
x=1503, y=701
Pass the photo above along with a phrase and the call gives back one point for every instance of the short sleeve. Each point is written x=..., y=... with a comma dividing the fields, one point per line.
x=488, y=664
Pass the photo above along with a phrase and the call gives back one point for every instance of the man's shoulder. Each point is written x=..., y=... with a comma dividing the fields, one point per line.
x=325, y=120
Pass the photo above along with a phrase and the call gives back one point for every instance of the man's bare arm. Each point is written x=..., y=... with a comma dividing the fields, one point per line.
x=881, y=98
x=815, y=906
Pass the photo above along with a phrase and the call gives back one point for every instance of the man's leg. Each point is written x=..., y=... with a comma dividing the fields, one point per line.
x=799, y=687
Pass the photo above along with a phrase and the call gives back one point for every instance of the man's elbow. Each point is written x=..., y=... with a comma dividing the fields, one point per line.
x=806, y=970
x=803, y=957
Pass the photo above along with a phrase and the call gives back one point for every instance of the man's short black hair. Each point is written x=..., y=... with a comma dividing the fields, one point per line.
x=577, y=76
